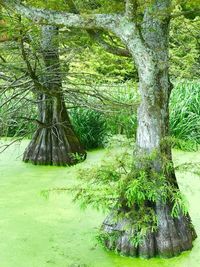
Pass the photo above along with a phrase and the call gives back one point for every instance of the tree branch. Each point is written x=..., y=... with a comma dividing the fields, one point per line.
x=109, y=48
x=131, y=7
x=85, y=21
x=4, y=77
x=96, y=36
x=40, y=123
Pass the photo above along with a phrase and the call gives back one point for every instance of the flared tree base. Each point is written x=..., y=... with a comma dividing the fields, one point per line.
x=54, y=146
x=173, y=236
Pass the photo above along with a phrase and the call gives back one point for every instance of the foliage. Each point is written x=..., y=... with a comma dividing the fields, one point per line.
x=118, y=186
x=185, y=115
x=107, y=66
x=94, y=128
x=145, y=221
x=85, y=6
x=14, y=117
x=116, y=116
x=118, y=183
x=179, y=204
x=81, y=55
x=124, y=120
x=184, y=48
x=90, y=126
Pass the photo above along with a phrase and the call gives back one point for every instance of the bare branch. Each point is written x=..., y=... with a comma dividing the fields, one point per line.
x=109, y=48
x=4, y=77
x=43, y=16
x=7, y=145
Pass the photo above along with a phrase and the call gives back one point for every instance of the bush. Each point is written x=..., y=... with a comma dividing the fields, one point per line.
x=13, y=122
x=90, y=126
x=185, y=115
x=94, y=127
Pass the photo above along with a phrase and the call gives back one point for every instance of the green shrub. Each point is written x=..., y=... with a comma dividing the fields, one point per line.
x=94, y=127
x=14, y=120
x=118, y=185
x=185, y=115
x=90, y=126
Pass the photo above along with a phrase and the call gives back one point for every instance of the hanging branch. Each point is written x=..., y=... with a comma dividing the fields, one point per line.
x=96, y=36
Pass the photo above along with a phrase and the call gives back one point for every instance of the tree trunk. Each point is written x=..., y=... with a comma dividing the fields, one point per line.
x=173, y=234
x=54, y=142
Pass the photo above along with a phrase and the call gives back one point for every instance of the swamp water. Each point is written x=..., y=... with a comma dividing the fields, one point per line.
x=39, y=232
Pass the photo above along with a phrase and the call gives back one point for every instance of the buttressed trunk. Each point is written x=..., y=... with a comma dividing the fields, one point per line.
x=173, y=234
x=54, y=142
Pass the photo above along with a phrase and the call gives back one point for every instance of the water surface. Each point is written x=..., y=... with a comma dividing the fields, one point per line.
x=35, y=232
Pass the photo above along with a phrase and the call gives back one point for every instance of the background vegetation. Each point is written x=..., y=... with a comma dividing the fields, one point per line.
x=100, y=88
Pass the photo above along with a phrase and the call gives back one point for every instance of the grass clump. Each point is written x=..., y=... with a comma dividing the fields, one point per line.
x=90, y=126
x=185, y=115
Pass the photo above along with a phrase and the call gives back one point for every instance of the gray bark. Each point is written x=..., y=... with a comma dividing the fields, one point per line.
x=174, y=235
x=54, y=142
x=42, y=16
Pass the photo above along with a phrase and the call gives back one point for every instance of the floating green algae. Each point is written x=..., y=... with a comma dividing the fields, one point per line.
x=39, y=232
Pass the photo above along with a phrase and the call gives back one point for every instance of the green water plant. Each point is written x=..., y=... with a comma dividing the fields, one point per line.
x=117, y=185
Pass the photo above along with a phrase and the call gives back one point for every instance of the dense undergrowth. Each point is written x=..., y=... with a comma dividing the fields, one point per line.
x=94, y=127
x=185, y=115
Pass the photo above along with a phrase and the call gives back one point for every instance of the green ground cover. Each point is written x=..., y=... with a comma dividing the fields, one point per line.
x=39, y=232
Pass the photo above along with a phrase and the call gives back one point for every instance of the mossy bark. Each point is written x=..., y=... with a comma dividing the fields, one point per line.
x=54, y=142
x=173, y=235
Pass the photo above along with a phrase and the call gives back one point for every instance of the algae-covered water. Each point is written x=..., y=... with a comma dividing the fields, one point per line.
x=39, y=232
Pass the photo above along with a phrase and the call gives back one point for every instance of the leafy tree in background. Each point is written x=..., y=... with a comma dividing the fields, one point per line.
x=32, y=54
x=184, y=48
x=54, y=142
x=98, y=59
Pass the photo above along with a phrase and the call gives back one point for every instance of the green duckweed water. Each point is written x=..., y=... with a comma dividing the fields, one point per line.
x=35, y=232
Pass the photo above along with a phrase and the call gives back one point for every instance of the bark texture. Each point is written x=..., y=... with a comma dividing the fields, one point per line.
x=173, y=235
x=54, y=142
x=44, y=16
